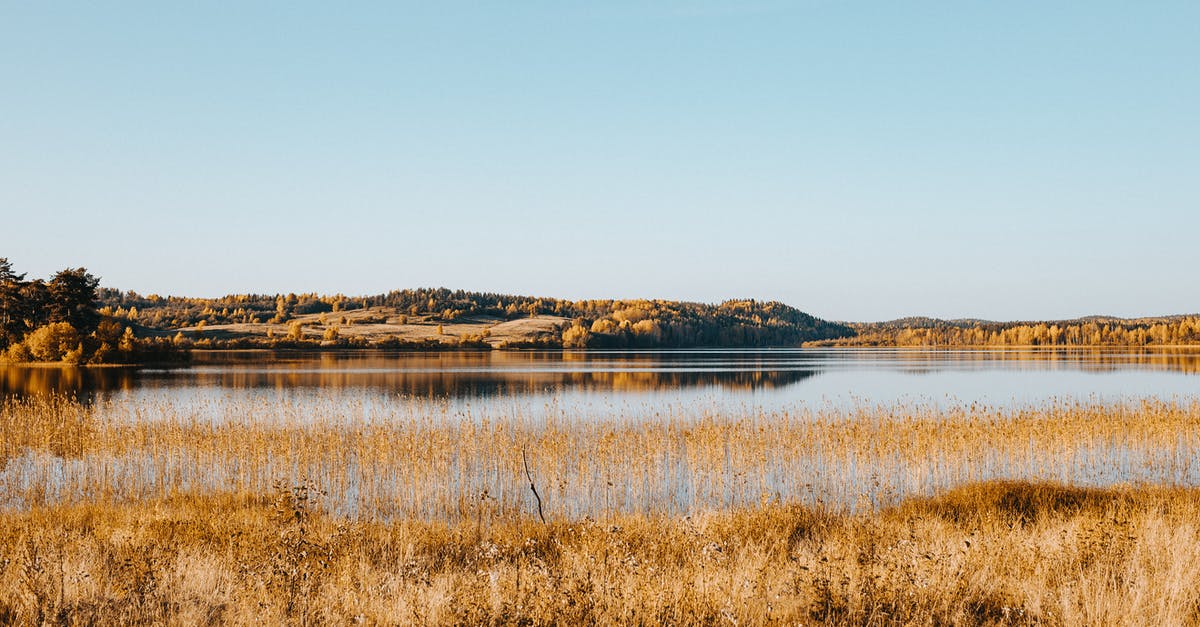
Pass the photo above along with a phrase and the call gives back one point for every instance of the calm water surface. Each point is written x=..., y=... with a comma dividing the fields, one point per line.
x=577, y=392
x=603, y=382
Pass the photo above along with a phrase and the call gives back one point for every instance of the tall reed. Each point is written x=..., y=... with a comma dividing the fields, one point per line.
x=414, y=459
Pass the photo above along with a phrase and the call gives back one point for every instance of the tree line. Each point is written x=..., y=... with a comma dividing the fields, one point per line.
x=925, y=332
x=58, y=320
x=68, y=317
x=658, y=323
x=593, y=323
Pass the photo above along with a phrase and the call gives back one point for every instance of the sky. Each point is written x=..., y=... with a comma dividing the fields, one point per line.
x=857, y=160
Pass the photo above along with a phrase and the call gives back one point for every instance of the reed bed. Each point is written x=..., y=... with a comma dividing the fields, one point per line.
x=303, y=511
x=999, y=553
x=416, y=460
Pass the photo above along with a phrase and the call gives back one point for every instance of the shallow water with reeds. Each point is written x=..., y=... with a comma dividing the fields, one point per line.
x=447, y=435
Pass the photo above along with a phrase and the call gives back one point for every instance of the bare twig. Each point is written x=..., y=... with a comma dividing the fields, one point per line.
x=529, y=476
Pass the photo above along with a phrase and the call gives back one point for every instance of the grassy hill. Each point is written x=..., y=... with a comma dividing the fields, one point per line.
x=438, y=317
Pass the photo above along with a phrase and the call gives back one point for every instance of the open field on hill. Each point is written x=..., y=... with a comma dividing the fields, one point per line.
x=377, y=324
x=412, y=318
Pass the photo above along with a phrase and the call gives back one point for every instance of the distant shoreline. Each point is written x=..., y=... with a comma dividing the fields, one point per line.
x=187, y=354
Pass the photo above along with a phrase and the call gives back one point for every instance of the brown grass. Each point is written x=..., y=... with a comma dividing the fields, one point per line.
x=993, y=553
x=383, y=323
x=434, y=461
x=414, y=514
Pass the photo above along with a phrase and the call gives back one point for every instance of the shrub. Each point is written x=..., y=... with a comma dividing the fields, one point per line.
x=18, y=352
x=575, y=337
x=53, y=342
x=604, y=325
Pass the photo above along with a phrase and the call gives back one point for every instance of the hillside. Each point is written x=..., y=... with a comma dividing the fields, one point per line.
x=438, y=317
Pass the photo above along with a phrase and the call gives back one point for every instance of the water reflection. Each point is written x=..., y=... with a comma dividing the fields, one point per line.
x=426, y=460
x=51, y=380
x=628, y=430
x=870, y=374
x=424, y=375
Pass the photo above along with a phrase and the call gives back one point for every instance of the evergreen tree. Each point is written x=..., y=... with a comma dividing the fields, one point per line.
x=11, y=311
x=73, y=299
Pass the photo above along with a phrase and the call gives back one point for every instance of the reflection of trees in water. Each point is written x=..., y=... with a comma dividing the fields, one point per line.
x=425, y=376
x=500, y=383
x=497, y=374
x=930, y=361
x=66, y=380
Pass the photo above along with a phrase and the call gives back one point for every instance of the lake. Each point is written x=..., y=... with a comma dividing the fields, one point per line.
x=447, y=435
x=600, y=382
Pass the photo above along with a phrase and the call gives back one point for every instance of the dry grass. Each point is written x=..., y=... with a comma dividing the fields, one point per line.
x=414, y=514
x=416, y=459
x=382, y=323
x=994, y=553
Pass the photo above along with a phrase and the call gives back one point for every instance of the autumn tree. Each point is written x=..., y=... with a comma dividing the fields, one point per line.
x=53, y=342
x=576, y=336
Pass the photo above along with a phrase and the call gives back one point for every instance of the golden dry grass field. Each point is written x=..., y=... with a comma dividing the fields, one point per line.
x=994, y=553
x=383, y=323
x=878, y=515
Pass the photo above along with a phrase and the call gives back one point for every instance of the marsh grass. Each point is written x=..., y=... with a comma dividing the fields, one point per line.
x=414, y=460
x=151, y=514
x=992, y=553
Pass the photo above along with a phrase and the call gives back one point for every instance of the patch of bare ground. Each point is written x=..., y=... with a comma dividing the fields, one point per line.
x=379, y=324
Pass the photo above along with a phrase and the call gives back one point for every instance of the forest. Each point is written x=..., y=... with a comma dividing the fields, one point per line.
x=69, y=318
x=1093, y=331
x=582, y=324
x=57, y=320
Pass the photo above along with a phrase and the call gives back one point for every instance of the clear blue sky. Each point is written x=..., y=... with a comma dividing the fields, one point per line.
x=859, y=160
